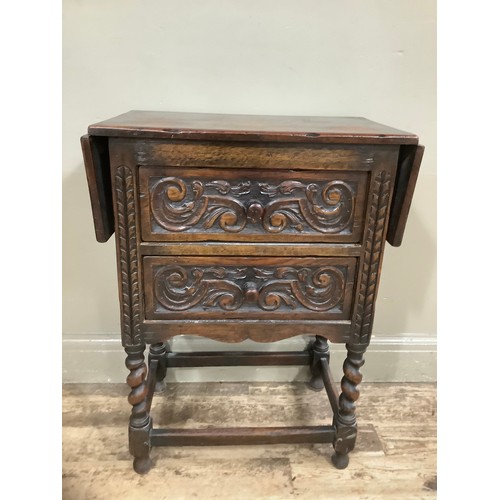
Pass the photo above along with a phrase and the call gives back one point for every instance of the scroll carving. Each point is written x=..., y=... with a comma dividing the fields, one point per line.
x=179, y=205
x=127, y=242
x=371, y=262
x=179, y=288
x=327, y=210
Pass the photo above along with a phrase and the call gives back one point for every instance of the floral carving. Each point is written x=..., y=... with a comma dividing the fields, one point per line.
x=179, y=288
x=328, y=209
x=174, y=209
x=180, y=205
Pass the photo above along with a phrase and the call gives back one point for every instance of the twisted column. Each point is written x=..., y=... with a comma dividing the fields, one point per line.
x=345, y=420
x=140, y=422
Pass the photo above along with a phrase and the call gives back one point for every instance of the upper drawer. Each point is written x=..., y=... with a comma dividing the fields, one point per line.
x=224, y=204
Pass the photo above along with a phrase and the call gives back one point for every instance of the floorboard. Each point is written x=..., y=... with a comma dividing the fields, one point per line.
x=395, y=455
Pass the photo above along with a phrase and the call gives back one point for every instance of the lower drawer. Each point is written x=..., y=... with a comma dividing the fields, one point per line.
x=248, y=288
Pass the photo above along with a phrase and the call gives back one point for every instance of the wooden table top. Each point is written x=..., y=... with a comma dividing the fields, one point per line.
x=227, y=127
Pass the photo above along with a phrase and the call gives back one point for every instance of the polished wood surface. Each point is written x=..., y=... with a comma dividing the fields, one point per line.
x=96, y=161
x=254, y=205
x=249, y=249
x=209, y=126
x=408, y=168
x=234, y=331
x=245, y=227
x=251, y=155
x=256, y=288
x=242, y=435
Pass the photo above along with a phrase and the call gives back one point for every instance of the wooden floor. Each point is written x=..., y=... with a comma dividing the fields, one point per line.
x=395, y=456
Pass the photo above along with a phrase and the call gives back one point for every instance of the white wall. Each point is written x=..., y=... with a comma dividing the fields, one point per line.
x=372, y=58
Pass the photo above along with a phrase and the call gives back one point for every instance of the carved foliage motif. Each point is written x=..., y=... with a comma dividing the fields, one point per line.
x=126, y=219
x=179, y=288
x=371, y=262
x=180, y=205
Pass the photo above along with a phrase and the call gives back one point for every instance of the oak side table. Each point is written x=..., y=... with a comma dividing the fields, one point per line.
x=238, y=227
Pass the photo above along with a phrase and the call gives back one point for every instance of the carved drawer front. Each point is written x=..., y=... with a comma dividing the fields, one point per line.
x=197, y=288
x=201, y=204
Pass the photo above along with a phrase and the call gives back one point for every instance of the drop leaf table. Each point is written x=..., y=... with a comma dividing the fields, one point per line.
x=237, y=227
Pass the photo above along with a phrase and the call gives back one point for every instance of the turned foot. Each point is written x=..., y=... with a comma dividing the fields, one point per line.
x=142, y=465
x=319, y=349
x=160, y=386
x=340, y=461
x=316, y=384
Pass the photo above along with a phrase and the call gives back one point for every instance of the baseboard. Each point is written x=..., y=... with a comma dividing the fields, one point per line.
x=96, y=359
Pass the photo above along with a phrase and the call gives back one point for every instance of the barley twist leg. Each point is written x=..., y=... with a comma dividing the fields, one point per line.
x=345, y=419
x=140, y=423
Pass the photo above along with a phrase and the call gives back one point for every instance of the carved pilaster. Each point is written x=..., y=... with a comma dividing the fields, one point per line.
x=127, y=244
x=377, y=213
x=140, y=421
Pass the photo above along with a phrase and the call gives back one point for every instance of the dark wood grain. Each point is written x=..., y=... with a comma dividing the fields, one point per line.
x=96, y=161
x=369, y=275
x=151, y=382
x=213, y=204
x=207, y=126
x=258, y=155
x=200, y=288
x=245, y=227
x=158, y=352
x=128, y=264
x=243, y=249
x=410, y=159
x=319, y=351
x=329, y=383
x=234, y=358
x=241, y=435
x=140, y=423
x=344, y=420
x=238, y=330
